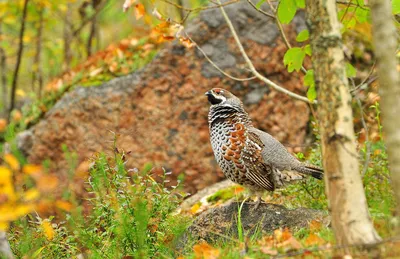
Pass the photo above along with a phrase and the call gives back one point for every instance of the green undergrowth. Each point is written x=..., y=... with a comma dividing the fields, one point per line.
x=130, y=213
x=126, y=214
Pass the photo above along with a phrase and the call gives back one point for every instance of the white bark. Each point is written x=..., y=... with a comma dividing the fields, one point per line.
x=347, y=203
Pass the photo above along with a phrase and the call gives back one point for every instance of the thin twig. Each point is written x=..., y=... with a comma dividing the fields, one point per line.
x=216, y=66
x=19, y=57
x=200, y=8
x=260, y=10
x=365, y=79
x=251, y=66
x=282, y=32
x=89, y=19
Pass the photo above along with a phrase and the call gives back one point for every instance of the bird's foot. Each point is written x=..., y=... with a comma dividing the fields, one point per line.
x=256, y=203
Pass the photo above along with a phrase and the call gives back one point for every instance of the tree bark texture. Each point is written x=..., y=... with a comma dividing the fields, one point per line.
x=384, y=39
x=347, y=203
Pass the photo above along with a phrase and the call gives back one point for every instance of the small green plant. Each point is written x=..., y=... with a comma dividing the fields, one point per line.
x=127, y=213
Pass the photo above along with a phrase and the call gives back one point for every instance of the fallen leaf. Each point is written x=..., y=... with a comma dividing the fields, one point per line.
x=64, y=205
x=31, y=169
x=205, y=251
x=187, y=42
x=313, y=239
x=12, y=162
x=139, y=11
x=315, y=225
x=3, y=125
x=195, y=208
x=268, y=251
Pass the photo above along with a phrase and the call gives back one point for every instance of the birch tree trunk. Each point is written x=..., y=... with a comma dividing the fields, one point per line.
x=347, y=203
x=384, y=38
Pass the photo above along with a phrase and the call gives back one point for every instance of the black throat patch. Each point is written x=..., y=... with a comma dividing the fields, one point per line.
x=213, y=100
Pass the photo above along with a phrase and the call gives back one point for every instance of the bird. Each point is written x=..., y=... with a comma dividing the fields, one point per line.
x=248, y=156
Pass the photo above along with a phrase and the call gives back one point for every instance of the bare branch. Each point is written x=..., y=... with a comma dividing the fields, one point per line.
x=19, y=57
x=216, y=66
x=200, y=8
x=261, y=11
x=251, y=66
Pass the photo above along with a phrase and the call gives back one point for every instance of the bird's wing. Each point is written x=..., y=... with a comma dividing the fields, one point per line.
x=274, y=153
x=257, y=170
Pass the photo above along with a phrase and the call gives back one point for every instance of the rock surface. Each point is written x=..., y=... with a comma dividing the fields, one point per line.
x=214, y=224
x=160, y=112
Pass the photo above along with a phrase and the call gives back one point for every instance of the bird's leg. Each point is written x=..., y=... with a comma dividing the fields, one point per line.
x=258, y=200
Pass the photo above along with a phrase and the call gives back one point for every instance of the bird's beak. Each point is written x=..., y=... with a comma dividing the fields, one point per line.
x=207, y=93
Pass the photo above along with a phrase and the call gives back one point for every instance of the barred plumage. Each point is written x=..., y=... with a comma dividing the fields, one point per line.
x=246, y=155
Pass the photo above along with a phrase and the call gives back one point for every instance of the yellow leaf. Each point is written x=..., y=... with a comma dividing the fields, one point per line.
x=48, y=230
x=139, y=11
x=3, y=226
x=195, y=208
x=31, y=195
x=64, y=205
x=31, y=169
x=11, y=211
x=20, y=92
x=6, y=186
x=12, y=162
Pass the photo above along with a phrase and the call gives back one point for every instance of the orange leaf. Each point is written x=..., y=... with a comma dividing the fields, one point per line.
x=315, y=225
x=47, y=183
x=313, y=239
x=268, y=251
x=205, y=251
x=3, y=125
x=187, y=42
x=31, y=169
x=64, y=205
x=139, y=11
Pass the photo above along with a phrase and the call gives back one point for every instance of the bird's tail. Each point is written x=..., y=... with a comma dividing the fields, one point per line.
x=315, y=172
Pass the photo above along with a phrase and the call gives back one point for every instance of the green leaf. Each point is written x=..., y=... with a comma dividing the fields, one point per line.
x=309, y=78
x=396, y=6
x=311, y=93
x=286, y=11
x=258, y=5
x=350, y=70
x=310, y=82
x=293, y=59
x=301, y=3
x=303, y=36
x=362, y=15
x=307, y=49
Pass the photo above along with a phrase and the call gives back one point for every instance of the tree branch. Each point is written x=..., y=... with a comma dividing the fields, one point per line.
x=19, y=57
x=251, y=66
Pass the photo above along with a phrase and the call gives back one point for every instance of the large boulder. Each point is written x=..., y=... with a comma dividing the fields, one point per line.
x=160, y=112
x=222, y=221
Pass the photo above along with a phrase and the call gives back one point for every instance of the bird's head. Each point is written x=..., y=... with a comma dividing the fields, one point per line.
x=222, y=97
